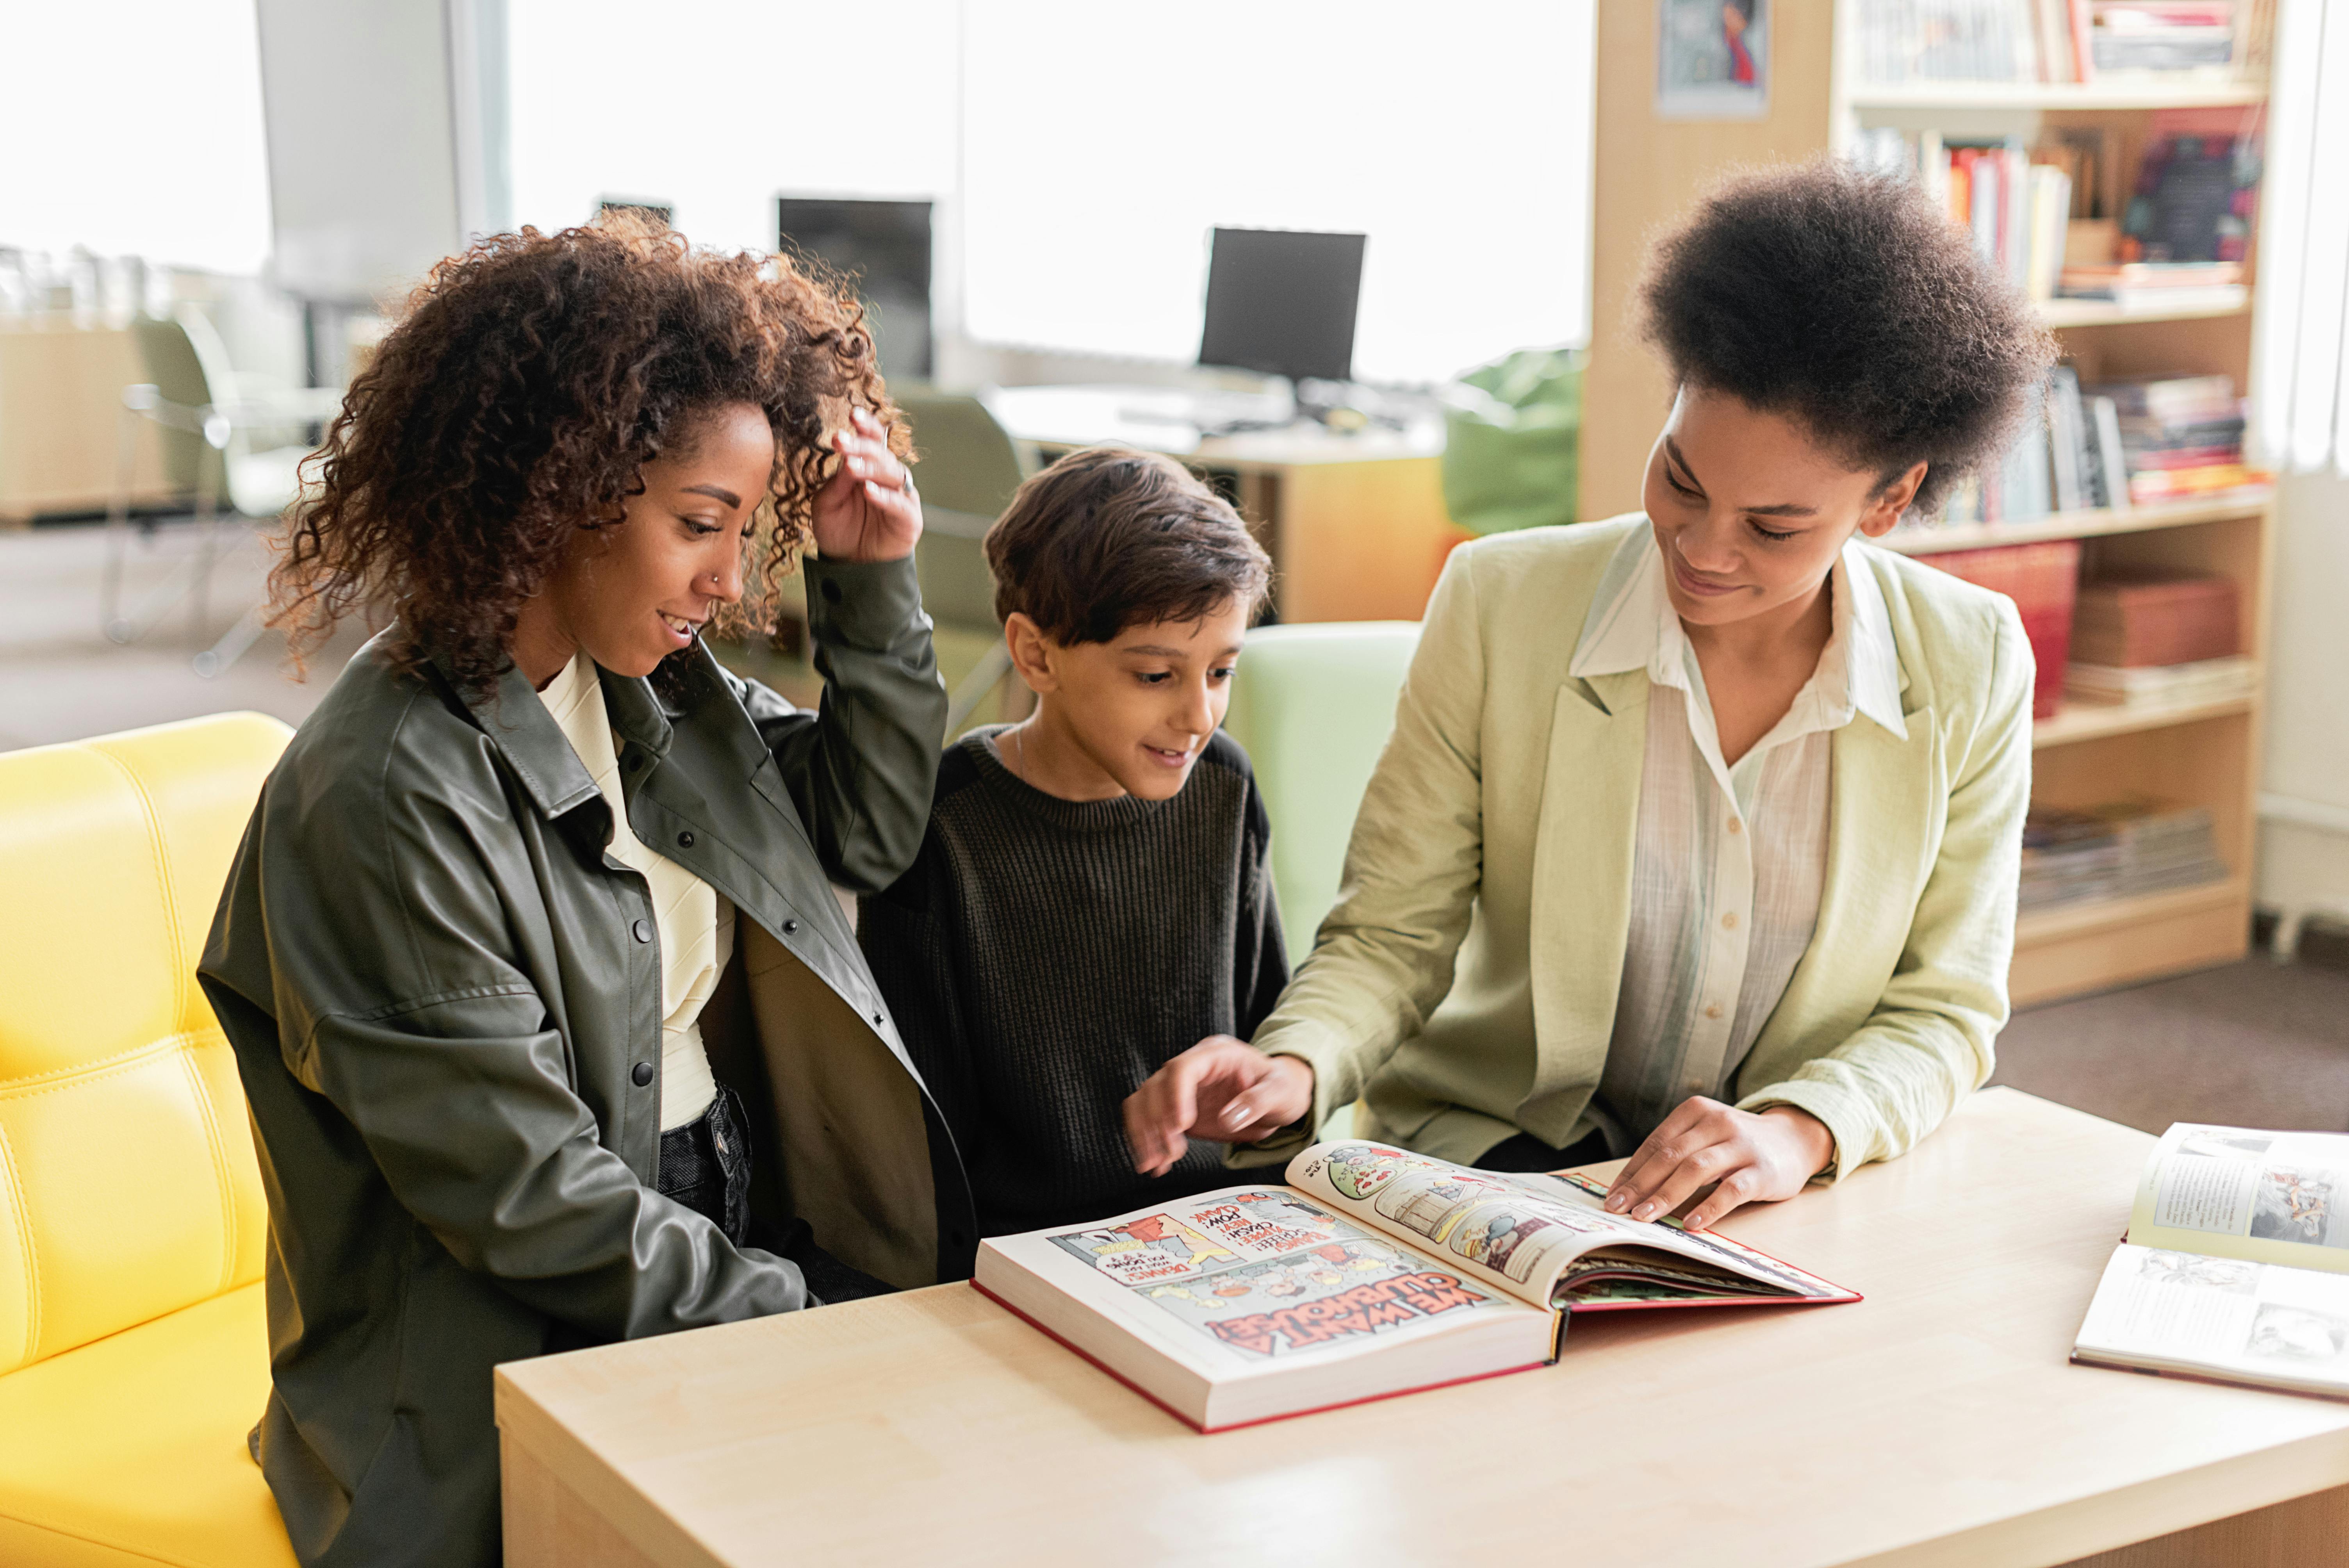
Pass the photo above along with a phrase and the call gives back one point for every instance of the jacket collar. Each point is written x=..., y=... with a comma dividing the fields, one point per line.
x=518, y=724
x=1631, y=626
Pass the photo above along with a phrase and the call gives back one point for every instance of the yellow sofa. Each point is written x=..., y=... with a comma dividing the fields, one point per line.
x=134, y=1353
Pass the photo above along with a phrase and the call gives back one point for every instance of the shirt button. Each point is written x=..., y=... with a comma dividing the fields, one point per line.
x=1728, y=921
x=643, y=932
x=790, y=928
x=1735, y=826
x=1713, y=1009
x=876, y=1018
x=685, y=840
x=641, y=1075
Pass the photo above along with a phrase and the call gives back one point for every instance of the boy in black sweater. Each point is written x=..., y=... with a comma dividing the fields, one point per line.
x=1094, y=892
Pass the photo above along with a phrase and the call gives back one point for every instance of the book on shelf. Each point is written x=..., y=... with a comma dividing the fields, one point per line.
x=2180, y=437
x=2121, y=849
x=1371, y=1272
x=2173, y=41
x=2133, y=619
x=2184, y=684
x=2197, y=188
x=2233, y=1266
x=2152, y=286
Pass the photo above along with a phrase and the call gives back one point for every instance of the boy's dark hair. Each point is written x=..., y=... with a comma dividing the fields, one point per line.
x=1108, y=538
x=1847, y=300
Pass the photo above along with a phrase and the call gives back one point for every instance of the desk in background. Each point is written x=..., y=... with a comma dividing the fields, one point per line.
x=1355, y=524
x=1935, y=1425
x=61, y=412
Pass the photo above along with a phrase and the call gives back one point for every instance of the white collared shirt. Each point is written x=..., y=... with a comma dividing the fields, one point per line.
x=1728, y=861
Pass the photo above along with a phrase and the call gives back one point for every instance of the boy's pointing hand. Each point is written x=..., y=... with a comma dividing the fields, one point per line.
x=1222, y=1090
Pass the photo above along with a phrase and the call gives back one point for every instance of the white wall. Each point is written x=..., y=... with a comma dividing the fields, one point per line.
x=2307, y=759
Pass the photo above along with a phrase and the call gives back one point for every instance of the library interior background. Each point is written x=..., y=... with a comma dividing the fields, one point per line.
x=1373, y=280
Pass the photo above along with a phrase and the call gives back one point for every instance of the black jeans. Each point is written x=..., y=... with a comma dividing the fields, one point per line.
x=706, y=1166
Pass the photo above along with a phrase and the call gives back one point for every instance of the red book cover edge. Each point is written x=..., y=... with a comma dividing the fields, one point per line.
x=1261, y=1420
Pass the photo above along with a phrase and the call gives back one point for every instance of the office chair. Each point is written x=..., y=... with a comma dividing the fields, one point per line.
x=965, y=468
x=194, y=390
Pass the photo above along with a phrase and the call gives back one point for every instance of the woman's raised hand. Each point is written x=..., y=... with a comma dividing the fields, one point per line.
x=867, y=510
x=1745, y=1158
x=1222, y=1090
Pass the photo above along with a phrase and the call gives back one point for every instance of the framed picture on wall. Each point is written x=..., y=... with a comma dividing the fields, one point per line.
x=1713, y=60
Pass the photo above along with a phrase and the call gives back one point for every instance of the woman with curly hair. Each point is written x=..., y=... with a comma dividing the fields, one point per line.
x=1697, y=837
x=552, y=1027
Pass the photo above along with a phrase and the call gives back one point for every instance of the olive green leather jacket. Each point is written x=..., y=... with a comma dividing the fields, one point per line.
x=445, y=1002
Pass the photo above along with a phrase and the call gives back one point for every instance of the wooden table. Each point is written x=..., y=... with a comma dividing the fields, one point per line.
x=1355, y=524
x=1936, y=1423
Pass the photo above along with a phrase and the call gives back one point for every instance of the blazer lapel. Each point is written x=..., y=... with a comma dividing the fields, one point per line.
x=1882, y=822
x=1582, y=872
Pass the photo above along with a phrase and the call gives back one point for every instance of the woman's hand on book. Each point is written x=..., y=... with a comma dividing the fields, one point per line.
x=1222, y=1090
x=1746, y=1158
x=867, y=510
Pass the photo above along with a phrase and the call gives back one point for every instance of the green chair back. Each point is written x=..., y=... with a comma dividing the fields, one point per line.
x=966, y=466
x=1313, y=705
x=172, y=361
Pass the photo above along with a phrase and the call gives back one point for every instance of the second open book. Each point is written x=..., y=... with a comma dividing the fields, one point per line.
x=1373, y=1271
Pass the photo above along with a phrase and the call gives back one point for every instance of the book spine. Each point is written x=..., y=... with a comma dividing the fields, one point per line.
x=2064, y=439
x=2111, y=456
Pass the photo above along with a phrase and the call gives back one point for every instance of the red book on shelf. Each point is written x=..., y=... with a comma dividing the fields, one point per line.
x=2043, y=580
x=2144, y=619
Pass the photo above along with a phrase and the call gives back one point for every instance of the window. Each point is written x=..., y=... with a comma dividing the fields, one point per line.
x=134, y=128
x=1103, y=143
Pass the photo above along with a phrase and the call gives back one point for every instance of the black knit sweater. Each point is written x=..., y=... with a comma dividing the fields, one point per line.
x=1044, y=956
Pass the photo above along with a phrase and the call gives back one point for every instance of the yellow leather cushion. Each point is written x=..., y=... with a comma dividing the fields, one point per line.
x=128, y=1183
x=132, y=1450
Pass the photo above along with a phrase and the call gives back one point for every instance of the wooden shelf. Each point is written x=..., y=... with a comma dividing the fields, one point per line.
x=2248, y=501
x=2095, y=916
x=2076, y=721
x=2061, y=313
x=2118, y=93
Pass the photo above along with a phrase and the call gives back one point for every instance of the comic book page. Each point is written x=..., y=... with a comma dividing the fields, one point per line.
x=1251, y=1276
x=2224, y=1317
x=1516, y=1233
x=2238, y=1192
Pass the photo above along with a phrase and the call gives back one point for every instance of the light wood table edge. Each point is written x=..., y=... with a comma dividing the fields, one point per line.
x=2126, y=1526
x=543, y=1467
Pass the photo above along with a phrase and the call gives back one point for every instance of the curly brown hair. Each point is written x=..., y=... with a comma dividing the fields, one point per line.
x=1846, y=299
x=514, y=405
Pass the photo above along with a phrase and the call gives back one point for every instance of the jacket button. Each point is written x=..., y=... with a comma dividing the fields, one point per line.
x=685, y=840
x=641, y=1075
x=830, y=591
x=643, y=932
x=790, y=928
x=636, y=760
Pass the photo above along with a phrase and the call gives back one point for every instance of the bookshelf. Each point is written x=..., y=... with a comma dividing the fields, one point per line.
x=1646, y=174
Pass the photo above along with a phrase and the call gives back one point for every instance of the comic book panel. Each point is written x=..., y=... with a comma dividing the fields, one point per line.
x=1152, y=1250
x=1337, y=1293
x=1267, y=1223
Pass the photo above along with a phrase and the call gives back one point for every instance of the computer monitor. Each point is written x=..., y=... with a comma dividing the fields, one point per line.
x=884, y=246
x=1282, y=301
x=658, y=211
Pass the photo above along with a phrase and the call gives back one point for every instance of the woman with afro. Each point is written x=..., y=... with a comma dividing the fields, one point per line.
x=1698, y=836
x=552, y=1027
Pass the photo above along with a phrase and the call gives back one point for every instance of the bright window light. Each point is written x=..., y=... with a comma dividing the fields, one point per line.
x=713, y=108
x=1103, y=142
x=134, y=128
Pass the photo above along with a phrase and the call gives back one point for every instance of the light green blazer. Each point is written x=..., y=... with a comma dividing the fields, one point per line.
x=1463, y=985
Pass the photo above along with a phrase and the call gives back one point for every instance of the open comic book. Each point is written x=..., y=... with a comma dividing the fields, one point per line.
x=2236, y=1266
x=1374, y=1272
